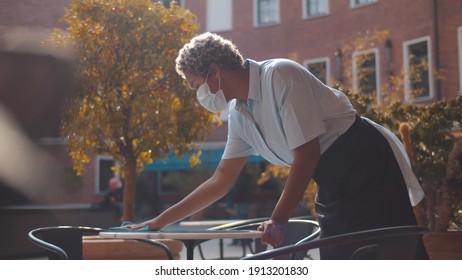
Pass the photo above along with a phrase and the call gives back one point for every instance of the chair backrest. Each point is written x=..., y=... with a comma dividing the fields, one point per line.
x=61, y=242
x=297, y=231
x=241, y=223
x=65, y=242
x=400, y=242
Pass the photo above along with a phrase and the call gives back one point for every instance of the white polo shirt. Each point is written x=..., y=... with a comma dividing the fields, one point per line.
x=287, y=107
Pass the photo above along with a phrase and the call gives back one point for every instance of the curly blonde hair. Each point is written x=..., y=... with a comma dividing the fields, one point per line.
x=207, y=48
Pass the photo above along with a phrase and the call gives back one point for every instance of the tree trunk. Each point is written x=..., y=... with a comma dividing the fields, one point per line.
x=444, y=211
x=129, y=190
x=429, y=204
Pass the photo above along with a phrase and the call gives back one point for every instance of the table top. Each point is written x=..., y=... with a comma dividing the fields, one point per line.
x=182, y=234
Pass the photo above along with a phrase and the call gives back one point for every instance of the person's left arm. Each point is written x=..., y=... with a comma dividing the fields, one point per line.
x=302, y=121
x=306, y=158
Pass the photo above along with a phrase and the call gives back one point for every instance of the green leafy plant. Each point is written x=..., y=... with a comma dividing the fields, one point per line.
x=434, y=131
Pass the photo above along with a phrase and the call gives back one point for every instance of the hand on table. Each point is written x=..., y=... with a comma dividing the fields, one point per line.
x=273, y=234
x=151, y=224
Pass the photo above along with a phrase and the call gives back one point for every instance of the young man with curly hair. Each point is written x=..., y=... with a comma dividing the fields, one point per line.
x=279, y=110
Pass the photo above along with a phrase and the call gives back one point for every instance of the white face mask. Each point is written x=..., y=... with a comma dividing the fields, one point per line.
x=214, y=102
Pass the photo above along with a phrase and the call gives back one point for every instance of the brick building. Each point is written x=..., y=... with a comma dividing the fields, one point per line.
x=313, y=32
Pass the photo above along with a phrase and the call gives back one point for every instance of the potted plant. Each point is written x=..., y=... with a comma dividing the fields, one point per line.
x=434, y=152
x=431, y=136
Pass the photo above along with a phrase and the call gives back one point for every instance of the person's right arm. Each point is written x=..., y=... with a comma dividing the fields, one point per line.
x=208, y=192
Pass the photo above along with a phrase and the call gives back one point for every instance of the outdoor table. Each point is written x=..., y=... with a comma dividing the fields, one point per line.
x=190, y=238
x=209, y=223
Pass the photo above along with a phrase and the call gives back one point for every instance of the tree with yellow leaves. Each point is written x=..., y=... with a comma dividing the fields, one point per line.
x=129, y=101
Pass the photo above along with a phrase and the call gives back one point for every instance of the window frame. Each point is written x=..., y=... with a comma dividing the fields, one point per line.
x=324, y=59
x=407, y=85
x=98, y=159
x=208, y=17
x=376, y=53
x=180, y=3
x=353, y=3
x=305, y=14
x=256, y=14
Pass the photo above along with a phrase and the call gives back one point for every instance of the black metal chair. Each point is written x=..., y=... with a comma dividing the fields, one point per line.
x=298, y=230
x=400, y=242
x=65, y=242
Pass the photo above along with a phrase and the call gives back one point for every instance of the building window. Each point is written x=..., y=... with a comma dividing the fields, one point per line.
x=388, y=46
x=459, y=32
x=365, y=72
x=219, y=15
x=417, y=70
x=319, y=67
x=166, y=3
x=338, y=65
x=104, y=172
x=360, y=3
x=315, y=8
x=266, y=12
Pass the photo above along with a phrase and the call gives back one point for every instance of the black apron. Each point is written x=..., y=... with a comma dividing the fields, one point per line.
x=360, y=187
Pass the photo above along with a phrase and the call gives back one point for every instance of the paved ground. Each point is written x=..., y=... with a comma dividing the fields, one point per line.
x=211, y=250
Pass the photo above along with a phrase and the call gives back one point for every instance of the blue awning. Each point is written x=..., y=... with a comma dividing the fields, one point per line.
x=208, y=158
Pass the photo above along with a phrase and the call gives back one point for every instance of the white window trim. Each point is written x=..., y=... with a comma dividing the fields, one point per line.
x=209, y=28
x=255, y=15
x=306, y=16
x=459, y=40
x=353, y=5
x=97, y=170
x=375, y=51
x=407, y=94
x=317, y=60
x=181, y=3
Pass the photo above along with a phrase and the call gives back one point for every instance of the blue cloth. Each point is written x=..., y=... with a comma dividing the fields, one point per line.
x=121, y=228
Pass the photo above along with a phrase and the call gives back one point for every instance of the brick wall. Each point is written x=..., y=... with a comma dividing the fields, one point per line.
x=319, y=37
x=309, y=38
x=34, y=13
